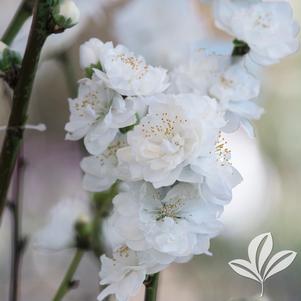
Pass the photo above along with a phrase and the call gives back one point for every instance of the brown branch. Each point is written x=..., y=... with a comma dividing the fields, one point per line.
x=18, y=242
x=14, y=134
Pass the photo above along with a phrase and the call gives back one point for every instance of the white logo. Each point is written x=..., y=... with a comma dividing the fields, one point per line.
x=262, y=265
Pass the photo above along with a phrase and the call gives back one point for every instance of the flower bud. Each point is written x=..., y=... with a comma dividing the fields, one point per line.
x=66, y=14
x=83, y=232
x=90, y=52
x=90, y=55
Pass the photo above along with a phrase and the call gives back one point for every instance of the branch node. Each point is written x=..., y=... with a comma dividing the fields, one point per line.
x=11, y=205
x=22, y=244
x=74, y=284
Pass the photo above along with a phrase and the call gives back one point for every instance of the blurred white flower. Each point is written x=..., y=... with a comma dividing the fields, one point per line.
x=266, y=26
x=128, y=74
x=198, y=72
x=102, y=171
x=177, y=130
x=236, y=89
x=232, y=85
x=89, y=9
x=59, y=232
x=97, y=114
x=176, y=29
x=175, y=223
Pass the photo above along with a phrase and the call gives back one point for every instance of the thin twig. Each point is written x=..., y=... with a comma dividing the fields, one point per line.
x=18, y=242
x=14, y=134
x=68, y=283
x=101, y=208
x=23, y=12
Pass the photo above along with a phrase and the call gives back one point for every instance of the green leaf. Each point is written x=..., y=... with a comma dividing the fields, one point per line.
x=130, y=127
x=89, y=70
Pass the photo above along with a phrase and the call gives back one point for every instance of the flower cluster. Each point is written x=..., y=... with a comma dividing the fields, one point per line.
x=161, y=134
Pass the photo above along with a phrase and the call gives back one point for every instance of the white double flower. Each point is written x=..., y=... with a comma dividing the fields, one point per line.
x=267, y=27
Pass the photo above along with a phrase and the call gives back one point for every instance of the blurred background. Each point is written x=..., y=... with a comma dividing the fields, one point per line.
x=164, y=31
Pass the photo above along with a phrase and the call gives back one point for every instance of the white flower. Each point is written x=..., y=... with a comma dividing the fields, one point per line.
x=236, y=89
x=97, y=114
x=219, y=177
x=198, y=73
x=129, y=74
x=175, y=223
x=176, y=130
x=266, y=26
x=59, y=232
x=92, y=52
x=232, y=85
x=102, y=171
x=235, y=84
x=125, y=273
x=154, y=39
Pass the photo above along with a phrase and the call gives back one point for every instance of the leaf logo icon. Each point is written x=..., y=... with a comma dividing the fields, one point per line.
x=261, y=264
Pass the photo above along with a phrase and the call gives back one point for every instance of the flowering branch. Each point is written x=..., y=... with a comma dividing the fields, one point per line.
x=68, y=283
x=151, y=287
x=23, y=13
x=173, y=163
